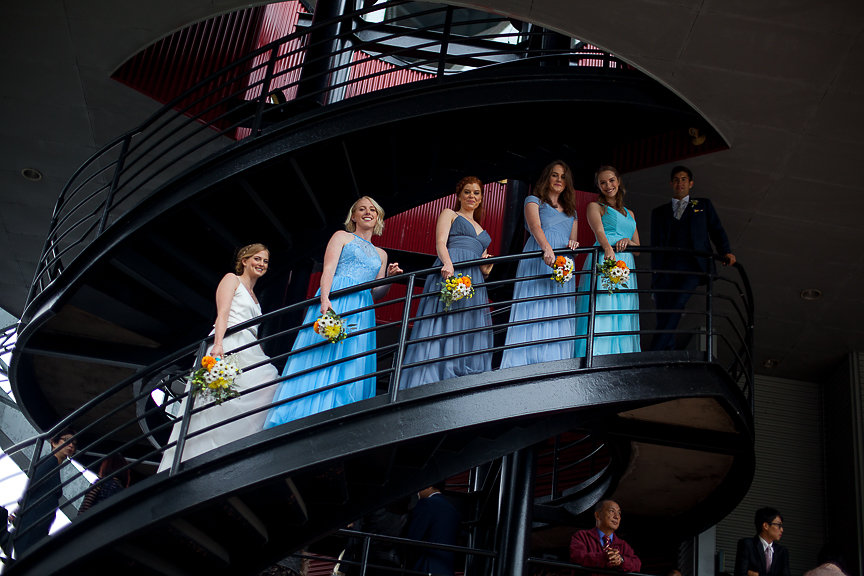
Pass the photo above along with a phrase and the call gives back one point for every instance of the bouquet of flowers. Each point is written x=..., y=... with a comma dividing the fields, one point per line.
x=613, y=275
x=455, y=288
x=331, y=326
x=215, y=378
x=562, y=269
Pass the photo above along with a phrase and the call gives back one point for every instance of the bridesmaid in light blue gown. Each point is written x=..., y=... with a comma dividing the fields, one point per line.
x=550, y=218
x=614, y=227
x=350, y=259
x=458, y=238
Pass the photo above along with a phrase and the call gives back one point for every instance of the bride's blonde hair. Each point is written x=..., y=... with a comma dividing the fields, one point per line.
x=246, y=252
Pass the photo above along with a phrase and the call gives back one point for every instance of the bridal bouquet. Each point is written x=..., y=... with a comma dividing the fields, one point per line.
x=455, y=288
x=613, y=275
x=215, y=378
x=331, y=326
x=562, y=269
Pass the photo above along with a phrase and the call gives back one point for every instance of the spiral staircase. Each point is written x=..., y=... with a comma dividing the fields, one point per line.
x=122, y=297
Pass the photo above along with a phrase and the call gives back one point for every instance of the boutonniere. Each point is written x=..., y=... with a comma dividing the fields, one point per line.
x=695, y=205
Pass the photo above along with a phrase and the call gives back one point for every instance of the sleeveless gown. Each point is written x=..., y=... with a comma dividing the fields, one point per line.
x=243, y=308
x=557, y=227
x=616, y=226
x=463, y=244
x=359, y=262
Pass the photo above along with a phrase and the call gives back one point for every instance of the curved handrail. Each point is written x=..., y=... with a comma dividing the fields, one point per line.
x=261, y=91
x=119, y=420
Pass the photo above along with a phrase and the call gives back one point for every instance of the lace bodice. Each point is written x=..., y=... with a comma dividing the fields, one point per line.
x=359, y=262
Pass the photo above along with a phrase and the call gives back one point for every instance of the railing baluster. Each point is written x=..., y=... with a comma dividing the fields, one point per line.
x=265, y=92
x=709, y=311
x=403, y=335
x=24, y=502
x=187, y=414
x=592, y=310
x=445, y=42
x=364, y=560
x=103, y=221
x=556, y=446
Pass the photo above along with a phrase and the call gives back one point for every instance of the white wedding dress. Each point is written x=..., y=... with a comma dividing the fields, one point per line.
x=243, y=308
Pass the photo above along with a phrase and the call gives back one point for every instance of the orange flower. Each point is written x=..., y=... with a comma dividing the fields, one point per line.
x=208, y=362
x=621, y=264
x=466, y=281
x=560, y=261
x=315, y=327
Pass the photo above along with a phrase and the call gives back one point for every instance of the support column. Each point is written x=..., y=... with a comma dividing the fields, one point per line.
x=517, y=499
x=321, y=56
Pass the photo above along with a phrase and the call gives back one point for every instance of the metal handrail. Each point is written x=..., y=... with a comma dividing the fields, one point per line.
x=733, y=337
x=136, y=164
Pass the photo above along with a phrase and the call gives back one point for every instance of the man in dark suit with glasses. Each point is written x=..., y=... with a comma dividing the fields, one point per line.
x=762, y=555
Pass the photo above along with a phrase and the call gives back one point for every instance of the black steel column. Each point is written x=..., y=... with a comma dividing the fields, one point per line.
x=482, y=528
x=517, y=499
x=323, y=43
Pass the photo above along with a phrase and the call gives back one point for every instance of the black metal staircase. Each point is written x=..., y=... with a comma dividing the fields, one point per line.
x=123, y=295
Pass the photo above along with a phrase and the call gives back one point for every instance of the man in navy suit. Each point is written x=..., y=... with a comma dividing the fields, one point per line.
x=762, y=555
x=434, y=519
x=691, y=224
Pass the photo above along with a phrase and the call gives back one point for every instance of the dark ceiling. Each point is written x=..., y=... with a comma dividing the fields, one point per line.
x=779, y=79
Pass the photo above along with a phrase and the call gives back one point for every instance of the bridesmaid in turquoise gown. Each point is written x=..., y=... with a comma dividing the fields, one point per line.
x=550, y=218
x=350, y=259
x=458, y=238
x=614, y=227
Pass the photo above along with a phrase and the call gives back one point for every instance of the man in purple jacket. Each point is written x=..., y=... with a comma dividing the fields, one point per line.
x=600, y=547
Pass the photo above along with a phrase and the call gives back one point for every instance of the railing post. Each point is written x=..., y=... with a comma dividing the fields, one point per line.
x=187, y=413
x=555, y=448
x=265, y=92
x=364, y=559
x=709, y=311
x=517, y=483
x=445, y=42
x=403, y=335
x=22, y=502
x=592, y=310
x=323, y=42
x=103, y=221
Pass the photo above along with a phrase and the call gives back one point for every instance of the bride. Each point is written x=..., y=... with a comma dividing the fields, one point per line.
x=235, y=303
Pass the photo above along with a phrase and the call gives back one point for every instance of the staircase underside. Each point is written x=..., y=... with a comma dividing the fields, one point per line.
x=244, y=506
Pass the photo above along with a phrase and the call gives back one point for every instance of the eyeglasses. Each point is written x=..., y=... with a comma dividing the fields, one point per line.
x=777, y=524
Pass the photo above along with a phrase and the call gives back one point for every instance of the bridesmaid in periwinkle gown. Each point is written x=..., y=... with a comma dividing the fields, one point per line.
x=550, y=218
x=458, y=237
x=350, y=259
x=235, y=303
x=614, y=227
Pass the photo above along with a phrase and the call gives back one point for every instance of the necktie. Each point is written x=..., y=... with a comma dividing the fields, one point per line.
x=605, y=541
x=679, y=210
x=769, y=553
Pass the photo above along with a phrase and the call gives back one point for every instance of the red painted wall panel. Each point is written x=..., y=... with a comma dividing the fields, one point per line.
x=174, y=64
x=278, y=21
x=179, y=61
x=414, y=230
x=364, y=65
